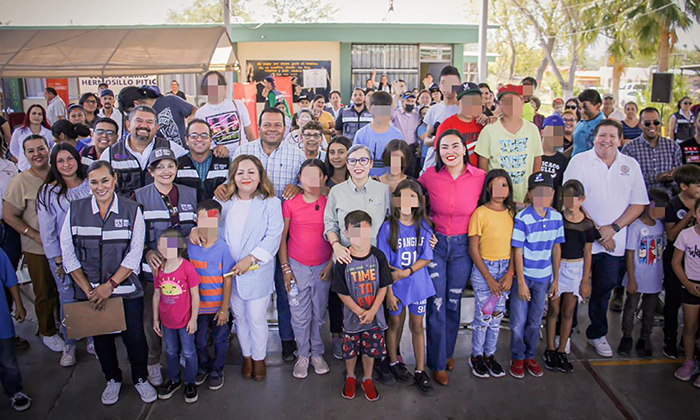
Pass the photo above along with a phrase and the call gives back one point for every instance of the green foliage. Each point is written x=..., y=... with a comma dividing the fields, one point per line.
x=300, y=10
x=205, y=11
x=680, y=89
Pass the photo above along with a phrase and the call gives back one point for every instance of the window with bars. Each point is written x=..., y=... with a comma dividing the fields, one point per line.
x=471, y=72
x=396, y=61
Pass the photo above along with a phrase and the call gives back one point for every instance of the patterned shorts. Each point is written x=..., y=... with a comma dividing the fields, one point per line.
x=370, y=343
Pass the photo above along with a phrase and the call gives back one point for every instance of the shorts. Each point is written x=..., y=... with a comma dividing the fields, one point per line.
x=689, y=298
x=416, y=308
x=570, y=277
x=369, y=343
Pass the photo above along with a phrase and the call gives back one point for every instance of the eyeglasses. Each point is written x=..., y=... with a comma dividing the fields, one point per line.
x=364, y=161
x=687, y=103
x=649, y=123
x=90, y=101
x=312, y=136
x=195, y=136
x=571, y=107
x=108, y=133
x=569, y=120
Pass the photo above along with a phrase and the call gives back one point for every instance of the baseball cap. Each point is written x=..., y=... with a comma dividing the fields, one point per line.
x=303, y=98
x=434, y=88
x=269, y=79
x=106, y=92
x=469, y=88
x=608, y=96
x=407, y=95
x=510, y=89
x=540, y=179
x=159, y=154
x=554, y=121
x=150, y=91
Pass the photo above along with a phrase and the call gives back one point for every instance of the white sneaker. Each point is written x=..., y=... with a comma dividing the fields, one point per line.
x=68, y=356
x=601, y=346
x=111, y=393
x=147, y=392
x=301, y=367
x=91, y=348
x=54, y=343
x=155, y=376
x=320, y=365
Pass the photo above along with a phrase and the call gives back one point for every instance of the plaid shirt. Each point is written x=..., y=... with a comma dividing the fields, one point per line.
x=654, y=161
x=282, y=166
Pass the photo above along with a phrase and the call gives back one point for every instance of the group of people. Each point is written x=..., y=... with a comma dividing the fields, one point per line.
x=364, y=212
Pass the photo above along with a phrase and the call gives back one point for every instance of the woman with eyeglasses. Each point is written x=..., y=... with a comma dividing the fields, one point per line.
x=105, y=134
x=90, y=104
x=573, y=104
x=35, y=122
x=680, y=126
x=630, y=125
x=299, y=120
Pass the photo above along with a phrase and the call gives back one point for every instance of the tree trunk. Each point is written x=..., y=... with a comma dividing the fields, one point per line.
x=664, y=48
x=543, y=65
x=511, y=74
x=618, y=69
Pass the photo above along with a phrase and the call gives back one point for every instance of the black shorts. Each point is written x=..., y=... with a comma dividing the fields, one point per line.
x=369, y=343
x=689, y=298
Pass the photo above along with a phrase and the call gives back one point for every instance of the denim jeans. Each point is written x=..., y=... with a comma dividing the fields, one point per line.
x=219, y=335
x=284, y=315
x=10, y=376
x=449, y=271
x=487, y=327
x=606, y=273
x=174, y=339
x=66, y=294
x=526, y=319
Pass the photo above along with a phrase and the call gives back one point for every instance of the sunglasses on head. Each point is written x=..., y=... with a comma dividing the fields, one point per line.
x=649, y=123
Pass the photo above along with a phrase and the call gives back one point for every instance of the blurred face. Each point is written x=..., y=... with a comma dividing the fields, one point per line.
x=174, y=87
x=608, y=103
x=424, y=111
x=359, y=164
x=528, y=90
x=319, y=104
x=630, y=111
x=406, y=201
x=360, y=236
x=589, y=111
x=66, y=164
x=651, y=124
x=571, y=105
x=303, y=119
x=553, y=137
x=272, y=128
x=542, y=196
x=304, y=104
x=90, y=104
x=164, y=172
x=512, y=106
x=216, y=91
x=104, y=135
x=199, y=139
x=247, y=178
x=37, y=153
x=268, y=85
x=358, y=97
x=76, y=116
x=36, y=115
x=424, y=98
x=337, y=154
x=686, y=103
x=48, y=95
x=395, y=160
x=571, y=202
x=311, y=139
x=311, y=179
x=409, y=104
x=569, y=124
x=385, y=79
x=209, y=221
x=485, y=94
x=281, y=106
x=335, y=99
x=691, y=190
x=499, y=190
x=168, y=247
x=108, y=101
x=102, y=184
x=447, y=84
x=381, y=113
x=452, y=151
x=606, y=142
x=559, y=107
x=368, y=99
x=436, y=96
x=143, y=126
x=470, y=106
x=654, y=211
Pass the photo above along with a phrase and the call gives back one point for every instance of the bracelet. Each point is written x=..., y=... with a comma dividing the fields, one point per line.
x=26, y=230
x=113, y=284
x=334, y=242
x=512, y=274
x=410, y=269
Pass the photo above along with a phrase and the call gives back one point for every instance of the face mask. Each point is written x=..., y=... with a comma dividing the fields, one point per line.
x=409, y=107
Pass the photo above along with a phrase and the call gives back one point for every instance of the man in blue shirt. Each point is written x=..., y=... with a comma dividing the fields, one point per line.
x=591, y=116
x=379, y=132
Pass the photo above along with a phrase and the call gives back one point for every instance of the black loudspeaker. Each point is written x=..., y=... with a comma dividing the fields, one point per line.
x=661, y=87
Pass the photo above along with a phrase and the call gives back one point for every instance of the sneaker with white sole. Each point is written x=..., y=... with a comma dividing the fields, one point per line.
x=21, y=402
x=155, y=376
x=91, y=348
x=111, y=393
x=687, y=370
x=55, y=343
x=146, y=391
x=601, y=346
x=68, y=356
x=320, y=365
x=301, y=367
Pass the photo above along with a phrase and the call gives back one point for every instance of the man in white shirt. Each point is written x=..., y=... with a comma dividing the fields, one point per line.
x=615, y=197
x=108, y=110
x=55, y=107
x=609, y=108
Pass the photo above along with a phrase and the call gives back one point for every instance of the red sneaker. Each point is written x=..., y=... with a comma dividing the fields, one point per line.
x=516, y=369
x=534, y=368
x=370, y=391
x=349, y=388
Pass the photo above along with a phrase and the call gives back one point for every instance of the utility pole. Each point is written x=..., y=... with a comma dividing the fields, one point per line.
x=483, y=25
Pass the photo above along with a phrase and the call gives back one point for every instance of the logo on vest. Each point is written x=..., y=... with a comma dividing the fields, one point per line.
x=187, y=207
x=121, y=223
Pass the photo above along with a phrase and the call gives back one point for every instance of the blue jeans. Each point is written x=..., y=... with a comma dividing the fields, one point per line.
x=66, y=294
x=174, y=339
x=10, y=377
x=219, y=335
x=526, y=319
x=449, y=271
x=284, y=315
x=606, y=273
x=487, y=327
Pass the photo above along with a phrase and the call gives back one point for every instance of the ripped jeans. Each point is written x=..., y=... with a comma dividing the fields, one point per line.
x=487, y=327
x=449, y=272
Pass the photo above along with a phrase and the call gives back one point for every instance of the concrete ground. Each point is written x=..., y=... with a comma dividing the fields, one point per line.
x=598, y=388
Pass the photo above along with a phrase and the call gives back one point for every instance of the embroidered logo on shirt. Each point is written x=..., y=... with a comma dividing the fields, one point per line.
x=624, y=170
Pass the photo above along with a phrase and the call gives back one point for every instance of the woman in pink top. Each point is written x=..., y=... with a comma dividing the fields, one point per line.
x=454, y=187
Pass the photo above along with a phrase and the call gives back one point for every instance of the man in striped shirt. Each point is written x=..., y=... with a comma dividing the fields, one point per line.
x=537, y=233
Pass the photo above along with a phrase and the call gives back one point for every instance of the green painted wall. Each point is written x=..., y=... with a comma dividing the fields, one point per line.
x=458, y=56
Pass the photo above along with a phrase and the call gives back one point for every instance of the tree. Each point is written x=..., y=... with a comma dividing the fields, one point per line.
x=206, y=11
x=300, y=10
x=273, y=11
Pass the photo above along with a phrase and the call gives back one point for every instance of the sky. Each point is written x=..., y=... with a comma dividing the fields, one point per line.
x=132, y=12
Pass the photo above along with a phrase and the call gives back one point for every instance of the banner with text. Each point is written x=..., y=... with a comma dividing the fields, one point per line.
x=61, y=86
x=307, y=77
x=115, y=83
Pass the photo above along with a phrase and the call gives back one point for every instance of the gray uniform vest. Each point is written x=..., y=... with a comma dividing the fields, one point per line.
x=102, y=245
x=129, y=173
x=157, y=216
x=217, y=174
x=352, y=121
x=684, y=127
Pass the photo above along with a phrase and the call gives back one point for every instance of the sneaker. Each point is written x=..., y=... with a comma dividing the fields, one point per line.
x=21, y=402
x=338, y=347
x=494, y=367
x=91, y=348
x=670, y=350
x=400, y=372
x=21, y=343
x=191, y=393
x=564, y=365
x=155, y=376
x=382, y=372
x=301, y=367
x=643, y=348
x=320, y=365
x=601, y=346
x=349, y=388
x=167, y=390
x=686, y=371
x=68, y=356
x=111, y=393
x=625, y=347
x=517, y=369
x=146, y=391
x=216, y=382
x=201, y=378
x=288, y=349
x=370, y=390
x=534, y=368
x=478, y=366
x=425, y=386
x=550, y=360
x=55, y=343
x=616, y=301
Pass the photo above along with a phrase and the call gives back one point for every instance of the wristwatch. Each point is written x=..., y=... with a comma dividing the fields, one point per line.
x=615, y=227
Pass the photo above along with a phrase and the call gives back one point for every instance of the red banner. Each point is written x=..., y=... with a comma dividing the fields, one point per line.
x=247, y=93
x=284, y=85
x=61, y=86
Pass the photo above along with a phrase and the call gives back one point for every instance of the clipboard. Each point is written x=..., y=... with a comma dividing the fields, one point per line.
x=81, y=320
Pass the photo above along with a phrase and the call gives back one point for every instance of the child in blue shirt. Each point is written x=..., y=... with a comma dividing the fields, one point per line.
x=537, y=233
x=405, y=240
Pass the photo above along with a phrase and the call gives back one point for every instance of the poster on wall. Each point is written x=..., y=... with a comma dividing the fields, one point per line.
x=298, y=71
x=61, y=86
x=115, y=83
x=246, y=93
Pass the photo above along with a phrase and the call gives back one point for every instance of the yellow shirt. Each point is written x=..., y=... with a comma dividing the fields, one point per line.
x=528, y=111
x=328, y=122
x=495, y=229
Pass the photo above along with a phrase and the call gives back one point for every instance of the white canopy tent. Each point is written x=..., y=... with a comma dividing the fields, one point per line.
x=113, y=51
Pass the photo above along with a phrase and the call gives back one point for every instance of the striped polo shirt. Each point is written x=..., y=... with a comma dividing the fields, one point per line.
x=211, y=264
x=537, y=236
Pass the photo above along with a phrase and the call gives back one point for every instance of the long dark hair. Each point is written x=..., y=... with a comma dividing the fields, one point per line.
x=25, y=121
x=345, y=142
x=70, y=130
x=451, y=132
x=418, y=214
x=54, y=179
x=486, y=191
